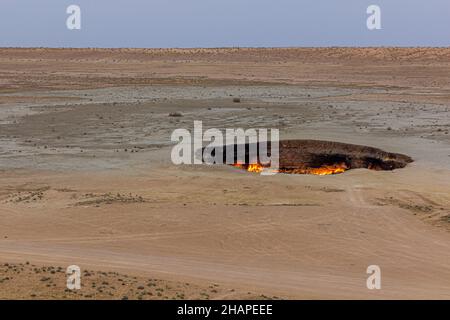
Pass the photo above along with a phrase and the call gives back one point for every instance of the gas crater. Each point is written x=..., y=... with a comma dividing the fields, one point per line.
x=320, y=158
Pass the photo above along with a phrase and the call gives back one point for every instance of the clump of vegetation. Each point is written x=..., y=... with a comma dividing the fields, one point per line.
x=49, y=282
x=109, y=198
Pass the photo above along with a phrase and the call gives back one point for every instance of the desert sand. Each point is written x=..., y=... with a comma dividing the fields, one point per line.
x=86, y=176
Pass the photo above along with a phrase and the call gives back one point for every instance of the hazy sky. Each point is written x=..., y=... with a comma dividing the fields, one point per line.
x=220, y=23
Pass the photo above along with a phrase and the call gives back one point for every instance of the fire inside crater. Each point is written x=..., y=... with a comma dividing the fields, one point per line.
x=325, y=158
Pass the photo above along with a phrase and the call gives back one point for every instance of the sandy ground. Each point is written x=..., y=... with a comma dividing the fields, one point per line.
x=86, y=175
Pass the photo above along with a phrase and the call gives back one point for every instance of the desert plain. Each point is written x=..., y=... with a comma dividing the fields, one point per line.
x=86, y=176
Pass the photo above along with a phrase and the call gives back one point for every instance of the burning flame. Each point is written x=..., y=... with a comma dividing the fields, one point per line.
x=253, y=167
x=321, y=171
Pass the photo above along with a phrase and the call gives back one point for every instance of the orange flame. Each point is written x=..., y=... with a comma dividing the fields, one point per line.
x=321, y=171
x=253, y=167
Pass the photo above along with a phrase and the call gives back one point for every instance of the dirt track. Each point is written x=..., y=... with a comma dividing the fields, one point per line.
x=86, y=176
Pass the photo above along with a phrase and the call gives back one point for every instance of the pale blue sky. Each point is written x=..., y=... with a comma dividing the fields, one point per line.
x=222, y=23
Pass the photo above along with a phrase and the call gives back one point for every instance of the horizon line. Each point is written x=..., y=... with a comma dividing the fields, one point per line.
x=230, y=47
